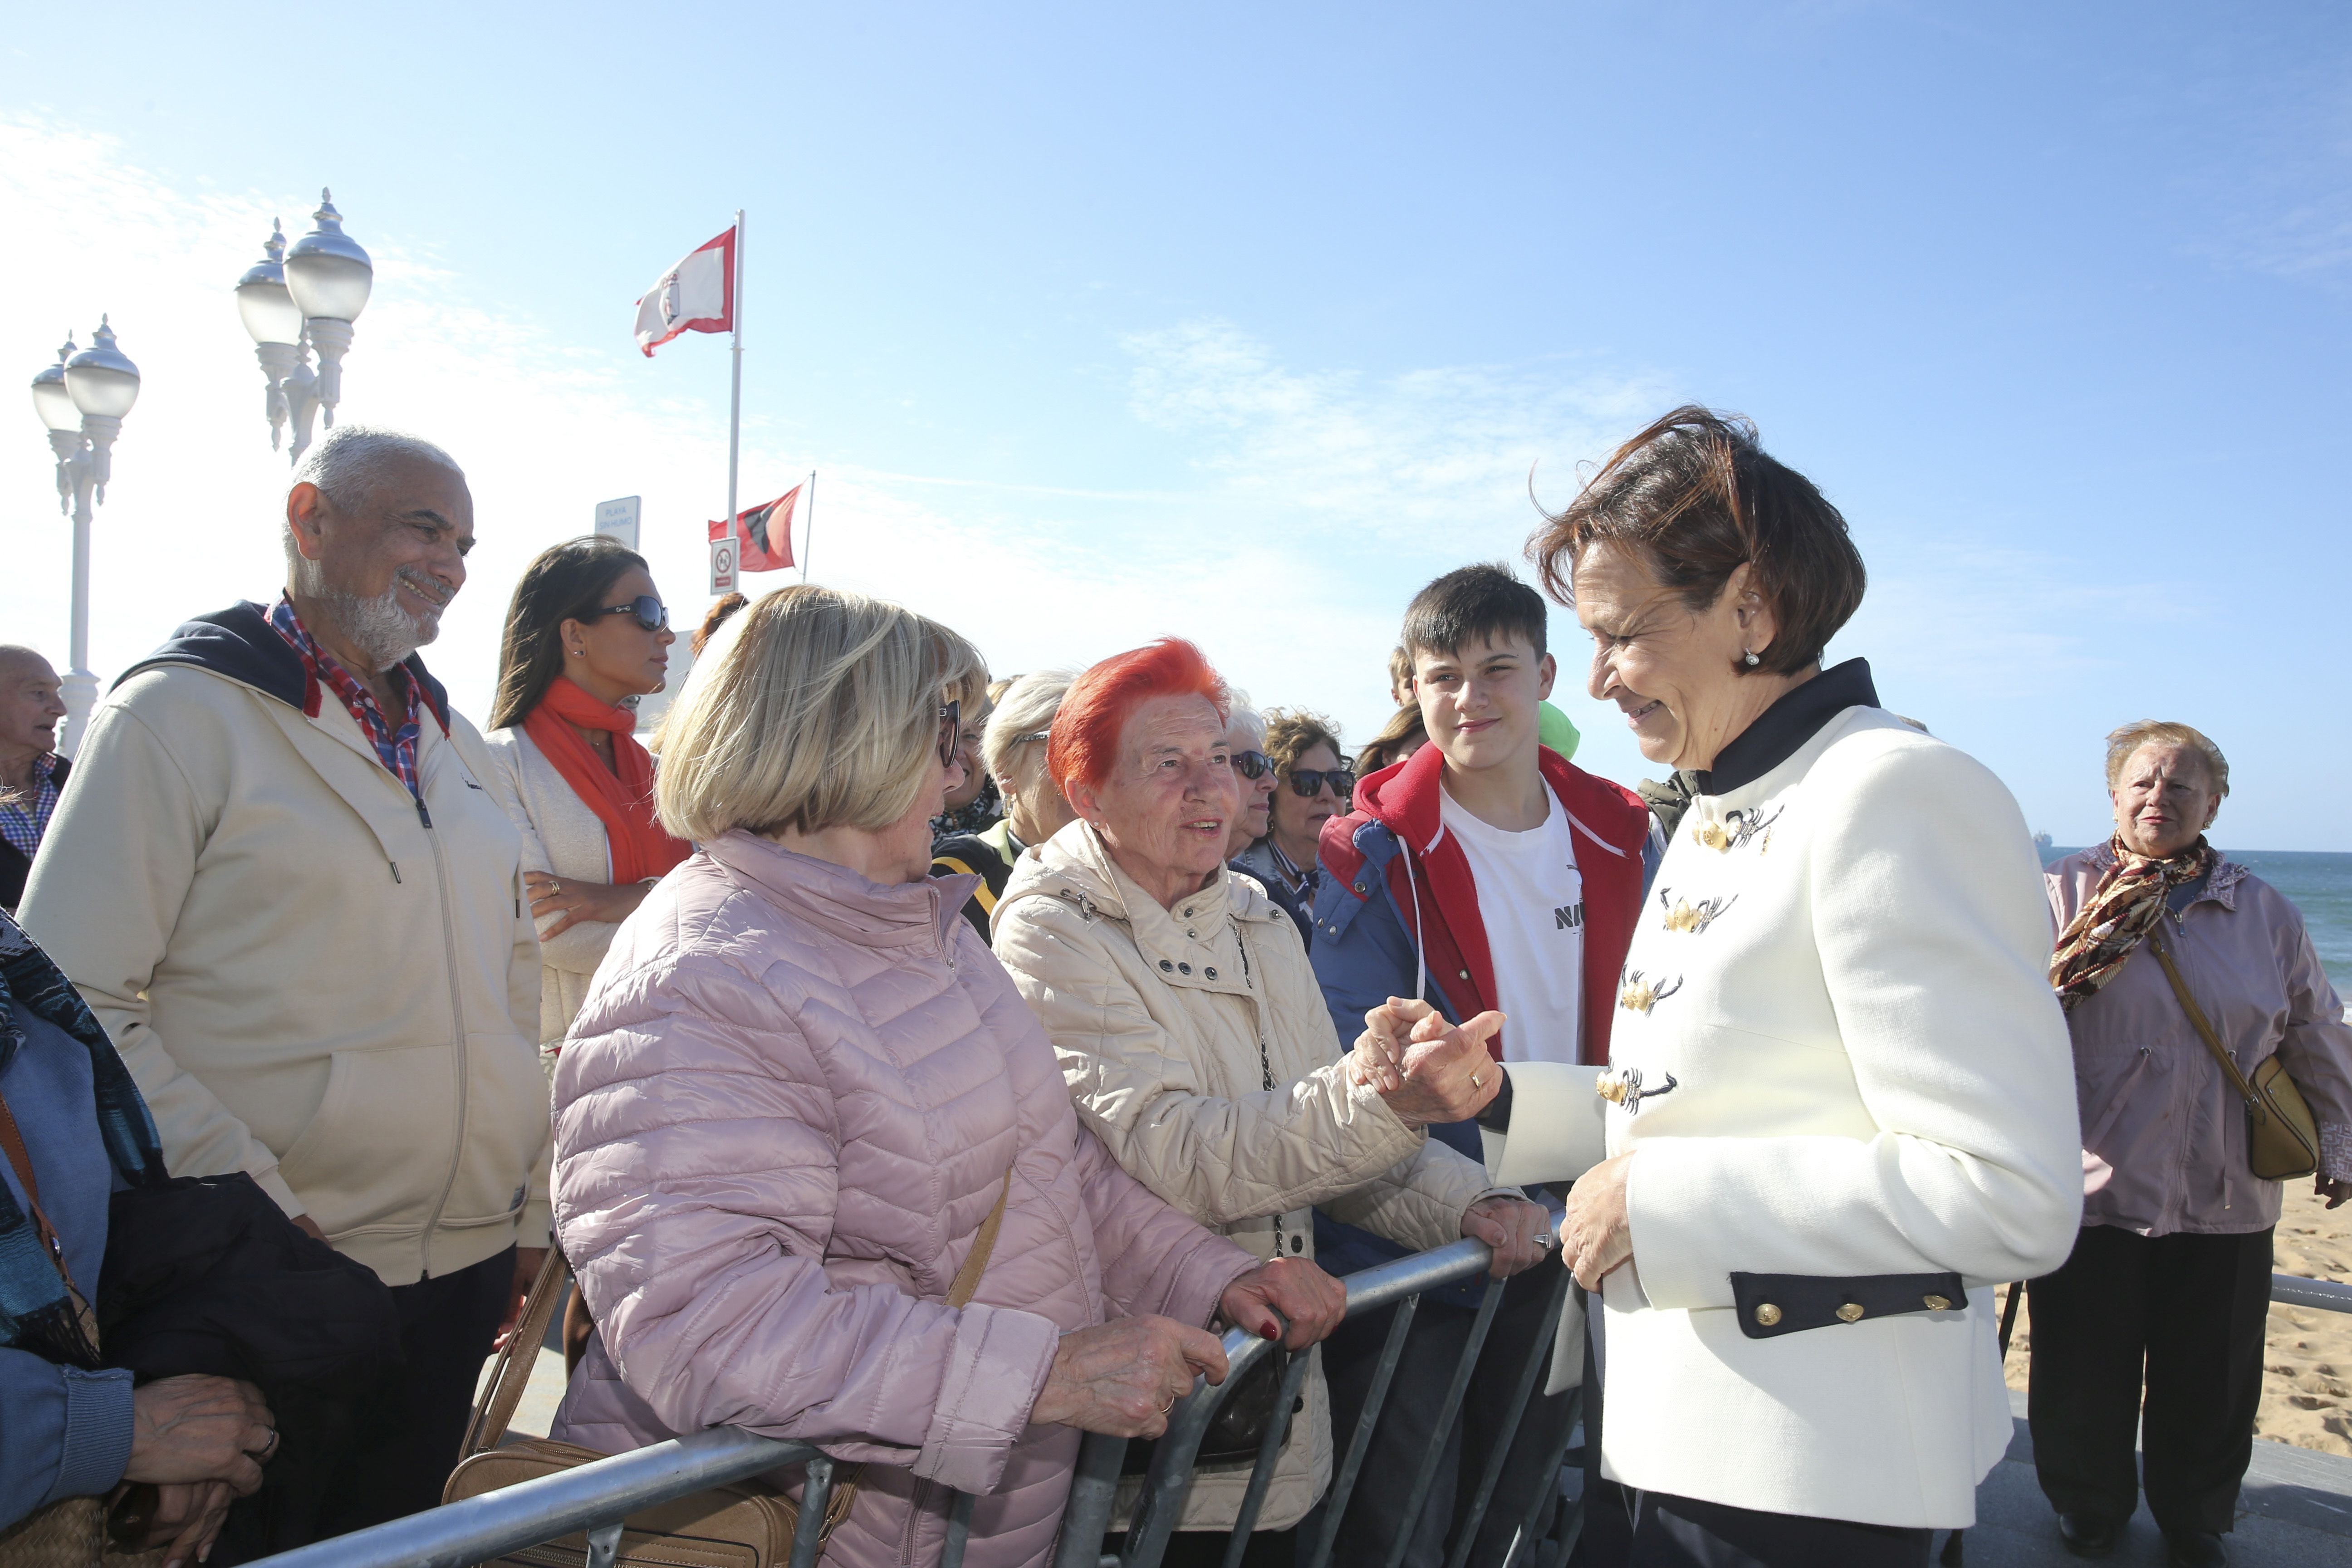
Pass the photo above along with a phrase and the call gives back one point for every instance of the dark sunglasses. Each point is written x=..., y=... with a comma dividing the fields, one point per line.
x=951, y=728
x=651, y=613
x=1253, y=766
x=1308, y=783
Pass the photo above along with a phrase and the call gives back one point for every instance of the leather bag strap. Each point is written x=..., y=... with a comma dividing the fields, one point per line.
x=2197, y=1017
x=21, y=1161
x=975, y=1262
x=512, y=1371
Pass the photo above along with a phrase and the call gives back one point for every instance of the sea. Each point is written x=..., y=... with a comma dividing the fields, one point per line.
x=2320, y=885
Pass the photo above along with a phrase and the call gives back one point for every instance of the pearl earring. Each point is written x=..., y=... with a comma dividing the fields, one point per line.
x=583, y=653
x=1751, y=659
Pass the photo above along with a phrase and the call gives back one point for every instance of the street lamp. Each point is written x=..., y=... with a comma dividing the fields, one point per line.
x=81, y=400
x=293, y=300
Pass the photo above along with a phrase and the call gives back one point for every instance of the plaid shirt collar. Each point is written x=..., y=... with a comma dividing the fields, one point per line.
x=25, y=818
x=395, y=748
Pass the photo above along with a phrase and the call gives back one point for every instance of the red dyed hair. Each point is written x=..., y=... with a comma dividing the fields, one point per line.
x=1085, y=741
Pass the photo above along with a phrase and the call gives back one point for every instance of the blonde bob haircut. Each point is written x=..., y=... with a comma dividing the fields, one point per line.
x=814, y=709
x=2123, y=742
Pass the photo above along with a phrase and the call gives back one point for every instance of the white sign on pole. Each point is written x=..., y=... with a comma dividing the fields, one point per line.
x=722, y=565
x=618, y=518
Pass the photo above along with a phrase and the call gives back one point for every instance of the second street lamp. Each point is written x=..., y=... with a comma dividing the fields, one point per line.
x=295, y=299
x=81, y=400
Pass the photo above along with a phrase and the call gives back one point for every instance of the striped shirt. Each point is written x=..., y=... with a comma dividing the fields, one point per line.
x=395, y=748
x=25, y=814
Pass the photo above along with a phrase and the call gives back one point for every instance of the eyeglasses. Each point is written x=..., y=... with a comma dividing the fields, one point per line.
x=651, y=613
x=1253, y=766
x=950, y=726
x=1308, y=783
x=1031, y=735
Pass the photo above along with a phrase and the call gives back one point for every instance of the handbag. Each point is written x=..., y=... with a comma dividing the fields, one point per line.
x=1238, y=1429
x=2282, y=1138
x=744, y=1524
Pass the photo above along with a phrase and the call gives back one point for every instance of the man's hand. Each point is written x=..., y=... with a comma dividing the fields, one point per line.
x=1311, y=1299
x=528, y=1262
x=200, y=1428
x=309, y=1227
x=1123, y=1377
x=1423, y=1069
x=1519, y=1231
x=2333, y=1191
x=1597, y=1237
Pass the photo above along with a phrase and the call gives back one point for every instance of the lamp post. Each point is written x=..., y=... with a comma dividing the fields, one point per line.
x=83, y=399
x=293, y=300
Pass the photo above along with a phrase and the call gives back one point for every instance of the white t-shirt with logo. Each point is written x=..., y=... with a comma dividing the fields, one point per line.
x=1531, y=897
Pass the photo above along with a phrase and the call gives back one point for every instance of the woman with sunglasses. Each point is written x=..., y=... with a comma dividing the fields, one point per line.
x=1313, y=786
x=1253, y=772
x=586, y=636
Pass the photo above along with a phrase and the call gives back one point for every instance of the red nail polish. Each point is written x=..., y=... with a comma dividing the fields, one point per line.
x=1270, y=1332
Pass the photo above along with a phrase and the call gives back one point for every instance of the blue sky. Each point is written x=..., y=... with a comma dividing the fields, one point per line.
x=1241, y=324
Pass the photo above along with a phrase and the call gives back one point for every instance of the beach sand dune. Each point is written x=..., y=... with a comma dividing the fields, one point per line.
x=2308, y=1357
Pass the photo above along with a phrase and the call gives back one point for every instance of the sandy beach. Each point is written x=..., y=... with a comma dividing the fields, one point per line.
x=2307, y=1358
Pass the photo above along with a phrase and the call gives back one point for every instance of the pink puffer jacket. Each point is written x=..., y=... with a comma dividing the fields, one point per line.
x=781, y=1117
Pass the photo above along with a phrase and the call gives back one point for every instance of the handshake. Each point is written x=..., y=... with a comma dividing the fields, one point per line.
x=1423, y=1067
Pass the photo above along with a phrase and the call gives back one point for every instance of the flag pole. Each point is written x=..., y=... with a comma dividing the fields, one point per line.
x=808, y=530
x=735, y=398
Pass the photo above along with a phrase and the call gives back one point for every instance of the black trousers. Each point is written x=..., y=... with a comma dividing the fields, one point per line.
x=1375, y=1515
x=2181, y=1316
x=1684, y=1533
x=445, y=1329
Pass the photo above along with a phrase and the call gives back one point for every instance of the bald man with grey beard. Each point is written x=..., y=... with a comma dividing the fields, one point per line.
x=297, y=909
x=32, y=775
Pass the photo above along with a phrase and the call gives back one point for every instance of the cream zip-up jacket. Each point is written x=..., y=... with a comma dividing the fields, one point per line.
x=313, y=980
x=1169, y=1024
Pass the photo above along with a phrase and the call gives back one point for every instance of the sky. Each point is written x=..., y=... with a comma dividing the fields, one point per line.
x=1242, y=322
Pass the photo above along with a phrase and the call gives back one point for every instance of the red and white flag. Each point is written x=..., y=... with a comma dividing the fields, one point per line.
x=698, y=295
x=766, y=532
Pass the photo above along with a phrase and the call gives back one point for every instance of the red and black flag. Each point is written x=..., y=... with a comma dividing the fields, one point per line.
x=766, y=532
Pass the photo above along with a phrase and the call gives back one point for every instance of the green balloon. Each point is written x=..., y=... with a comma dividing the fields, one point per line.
x=1553, y=729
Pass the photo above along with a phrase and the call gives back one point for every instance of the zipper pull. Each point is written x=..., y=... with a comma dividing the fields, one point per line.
x=396, y=869
x=424, y=815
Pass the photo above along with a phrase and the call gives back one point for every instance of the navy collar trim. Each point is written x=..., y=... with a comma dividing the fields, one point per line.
x=1782, y=730
x=240, y=643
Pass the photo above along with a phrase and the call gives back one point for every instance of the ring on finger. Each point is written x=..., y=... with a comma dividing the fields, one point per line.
x=1169, y=1405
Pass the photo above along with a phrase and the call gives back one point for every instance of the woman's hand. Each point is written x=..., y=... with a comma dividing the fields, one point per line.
x=1423, y=1069
x=1311, y=1299
x=188, y=1519
x=1519, y=1231
x=2333, y=1191
x=199, y=1428
x=1596, y=1237
x=1123, y=1377
x=578, y=901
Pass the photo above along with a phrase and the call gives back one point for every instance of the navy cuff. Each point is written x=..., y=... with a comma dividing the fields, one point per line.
x=1496, y=1117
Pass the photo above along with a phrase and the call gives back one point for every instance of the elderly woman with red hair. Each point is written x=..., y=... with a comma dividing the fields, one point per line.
x=1195, y=1041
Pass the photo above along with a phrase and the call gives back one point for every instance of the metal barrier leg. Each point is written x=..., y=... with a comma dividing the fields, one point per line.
x=1343, y=1485
x=808, y=1534
x=1170, y=1480
x=1493, y=1472
x=1268, y=1452
x=1574, y=1525
x=1094, y=1493
x=958, y=1530
x=603, y=1544
x=1426, y=1476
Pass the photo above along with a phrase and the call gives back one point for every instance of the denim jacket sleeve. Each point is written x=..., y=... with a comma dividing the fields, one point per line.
x=63, y=1432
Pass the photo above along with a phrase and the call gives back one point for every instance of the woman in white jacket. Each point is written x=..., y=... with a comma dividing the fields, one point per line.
x=586, y=636
x=1840, y=1097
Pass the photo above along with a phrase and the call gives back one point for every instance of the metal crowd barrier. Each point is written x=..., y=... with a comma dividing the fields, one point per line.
x=596, y=1497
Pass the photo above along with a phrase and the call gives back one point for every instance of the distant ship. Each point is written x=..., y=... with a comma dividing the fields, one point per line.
x=2041, y=846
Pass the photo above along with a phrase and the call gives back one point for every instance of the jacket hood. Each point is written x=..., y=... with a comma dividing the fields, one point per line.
x=1404, y=797
x=240, y=644
x=1075, y=865
x=921, y=914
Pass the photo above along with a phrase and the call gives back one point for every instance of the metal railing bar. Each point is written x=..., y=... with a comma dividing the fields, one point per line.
x=1268, y=1452
x=1425, y=1476
x=1170, y=1479
x=2294, y=1290
x=816, y=1494
x=534, y=1511
x=1491, y=1473
x=1343, y=1485
x=958, y=1530
x=1370, y=1287
x=1094, y=1494
x=1558, y=1456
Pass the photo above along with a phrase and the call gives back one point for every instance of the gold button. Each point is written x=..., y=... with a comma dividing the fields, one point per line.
x=1849, y=1312
x=1766, y=1313
x=1936, y=1303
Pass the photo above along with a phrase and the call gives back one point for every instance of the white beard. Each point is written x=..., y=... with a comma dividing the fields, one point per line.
x=381, y=627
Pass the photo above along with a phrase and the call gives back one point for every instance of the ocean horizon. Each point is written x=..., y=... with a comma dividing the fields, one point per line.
x=2317, y=882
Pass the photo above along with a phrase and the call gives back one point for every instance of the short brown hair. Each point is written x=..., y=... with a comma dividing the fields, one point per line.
x=2123, y=742
x=1694, y=498
x=1292, y=732
x=1471, y=602
x=1403, y=732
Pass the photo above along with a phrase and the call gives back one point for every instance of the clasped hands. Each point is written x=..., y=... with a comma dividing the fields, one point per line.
x=1124, y=1377
x=201, y=1441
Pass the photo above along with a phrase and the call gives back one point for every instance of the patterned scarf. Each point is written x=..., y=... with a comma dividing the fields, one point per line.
x=2119, y=916
x=36, y=1311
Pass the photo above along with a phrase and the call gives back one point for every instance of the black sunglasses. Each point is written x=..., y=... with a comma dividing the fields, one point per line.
x=1253, y=766
x=651, y=613
x=950, y=726
x=1308, y=783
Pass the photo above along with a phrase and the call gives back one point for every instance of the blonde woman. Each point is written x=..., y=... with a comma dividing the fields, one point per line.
x=798, y=1088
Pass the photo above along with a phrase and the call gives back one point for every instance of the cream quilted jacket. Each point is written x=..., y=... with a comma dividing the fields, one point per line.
x=1197, y=1046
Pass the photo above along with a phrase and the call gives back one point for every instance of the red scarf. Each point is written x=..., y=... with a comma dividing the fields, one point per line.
x=625, y=804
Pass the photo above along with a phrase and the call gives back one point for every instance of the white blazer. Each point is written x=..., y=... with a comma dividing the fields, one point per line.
x=561, y=834
x=1851, y=1064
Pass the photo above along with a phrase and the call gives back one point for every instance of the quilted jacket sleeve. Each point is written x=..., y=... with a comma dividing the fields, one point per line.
x=1154, y=1257
x=695, y=1191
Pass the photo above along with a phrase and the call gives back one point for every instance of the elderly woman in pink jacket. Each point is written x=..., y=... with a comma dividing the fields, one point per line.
x=2169, y=1281
x=798, y=1087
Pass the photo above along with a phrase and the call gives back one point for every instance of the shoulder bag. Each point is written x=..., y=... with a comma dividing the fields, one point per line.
x=745, y=1524
x=2282, y=1138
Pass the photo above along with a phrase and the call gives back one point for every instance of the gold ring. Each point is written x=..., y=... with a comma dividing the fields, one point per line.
x=1477, y=1082
x=1169, y=1405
